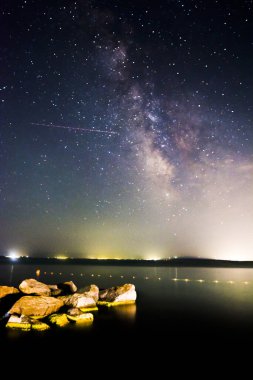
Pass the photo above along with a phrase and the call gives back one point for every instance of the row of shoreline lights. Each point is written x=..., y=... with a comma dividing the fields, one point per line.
x=185, y=280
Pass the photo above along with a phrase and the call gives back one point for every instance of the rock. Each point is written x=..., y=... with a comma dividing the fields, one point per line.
x=62, y=288
x=119, y=295
x=32, y=286
x=78, y=300
x=74, y=311
x=68, y=287
x=36, y=306
x=60, y=320
x=82, y=318
x=19, y=322
x=6, y=290
x=25, y=323
x=55, y=291
x=90, y=291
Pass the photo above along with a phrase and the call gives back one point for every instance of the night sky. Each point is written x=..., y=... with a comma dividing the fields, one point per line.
x=126, y=128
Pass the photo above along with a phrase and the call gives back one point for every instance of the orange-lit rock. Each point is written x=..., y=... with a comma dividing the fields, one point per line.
x=6, y=290
x=36, y=306
x=32, y=286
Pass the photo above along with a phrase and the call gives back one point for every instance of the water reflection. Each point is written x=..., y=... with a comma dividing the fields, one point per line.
x=11, y=274
x=37, y=272
x=126, y=312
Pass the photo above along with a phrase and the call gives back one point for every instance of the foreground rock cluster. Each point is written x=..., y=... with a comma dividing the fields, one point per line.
x=40, y=305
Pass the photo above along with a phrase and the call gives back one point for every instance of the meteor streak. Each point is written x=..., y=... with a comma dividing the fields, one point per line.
x=76, y=128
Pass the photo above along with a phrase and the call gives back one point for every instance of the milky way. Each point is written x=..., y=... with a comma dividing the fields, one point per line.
x=126, y=128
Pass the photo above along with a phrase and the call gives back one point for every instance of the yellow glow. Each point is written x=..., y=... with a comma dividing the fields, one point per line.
x=38, y=272
x=61, y=257
x=126, y=312
x=153, y=258
x=103, y=258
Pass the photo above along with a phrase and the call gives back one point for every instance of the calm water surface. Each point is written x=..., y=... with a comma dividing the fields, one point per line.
x=174, y=305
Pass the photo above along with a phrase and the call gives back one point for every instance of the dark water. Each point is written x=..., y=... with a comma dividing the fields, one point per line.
x=177, y=308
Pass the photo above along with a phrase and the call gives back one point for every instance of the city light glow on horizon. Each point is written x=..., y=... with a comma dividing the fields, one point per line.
x=60, y=257
x=127, y=130
x=13, y=254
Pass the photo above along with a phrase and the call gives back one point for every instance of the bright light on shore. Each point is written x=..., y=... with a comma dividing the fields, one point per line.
x=61, y=257
x=13, y=254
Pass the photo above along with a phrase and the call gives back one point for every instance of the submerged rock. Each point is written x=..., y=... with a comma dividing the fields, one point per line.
x=25, y=323
x=78, y=300
x=39, y=326
x=120, y=295
x=36, y=306
x=21, y=322
x=6, y=290
x=82, y=318
x=32, y=286
x=60, y=320
x=88, y=309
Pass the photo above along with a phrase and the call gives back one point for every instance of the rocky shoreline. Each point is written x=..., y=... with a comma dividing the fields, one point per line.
x=39, y=306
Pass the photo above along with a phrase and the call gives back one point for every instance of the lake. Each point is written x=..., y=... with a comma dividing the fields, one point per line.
x=175, y=306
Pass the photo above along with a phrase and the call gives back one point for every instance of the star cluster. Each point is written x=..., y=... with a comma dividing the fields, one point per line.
x=126, y=128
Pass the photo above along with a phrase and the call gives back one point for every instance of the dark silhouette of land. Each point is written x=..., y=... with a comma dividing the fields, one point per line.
x=174, y=262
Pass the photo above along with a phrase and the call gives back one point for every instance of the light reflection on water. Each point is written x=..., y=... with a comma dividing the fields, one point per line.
x=172, y=303
x=111, y=275
x=163, y=288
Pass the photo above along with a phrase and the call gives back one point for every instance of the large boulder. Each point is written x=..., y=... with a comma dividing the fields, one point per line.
x=36, y=306
x=6, y=290
x=78, y=300
x=32, y=286
x=124, y=294
x=25, y=323
x=90, y=291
